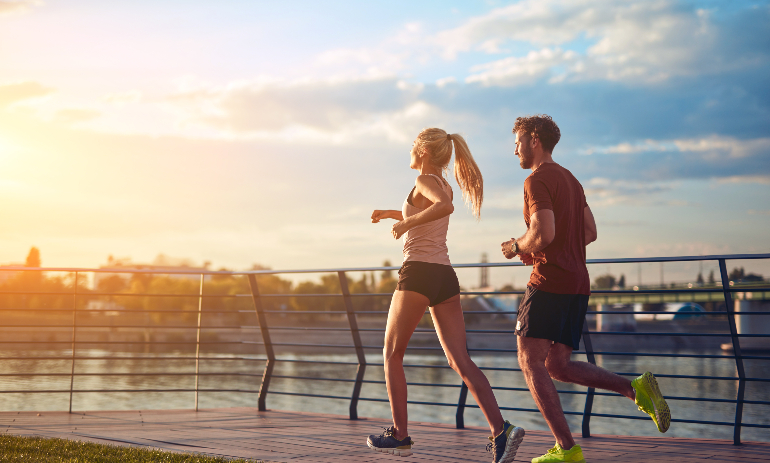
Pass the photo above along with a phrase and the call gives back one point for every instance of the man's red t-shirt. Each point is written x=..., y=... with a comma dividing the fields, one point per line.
x=560, y=267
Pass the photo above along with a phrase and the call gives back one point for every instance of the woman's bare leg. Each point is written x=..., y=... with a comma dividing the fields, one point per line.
x=406, y=310
x=450, y=327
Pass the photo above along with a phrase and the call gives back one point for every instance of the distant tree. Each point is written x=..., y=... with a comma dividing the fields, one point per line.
x=700, y=279
x=386, y=274
x=622, y=281
x=507, y=287
x=712, y=281
x=387, y=285
x=33, y=258
x=737, y=274
x=112, y=284
x=604, y=282
x=330, y=284
x=222, y=277
x=32, y=280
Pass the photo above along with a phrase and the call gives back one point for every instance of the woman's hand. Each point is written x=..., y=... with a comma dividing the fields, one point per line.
x=398, y=229
x=377, y=215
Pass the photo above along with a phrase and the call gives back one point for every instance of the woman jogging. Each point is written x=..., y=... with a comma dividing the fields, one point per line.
x=427, y=279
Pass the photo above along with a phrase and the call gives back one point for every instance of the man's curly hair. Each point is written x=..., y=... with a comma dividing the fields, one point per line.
x=542, y=127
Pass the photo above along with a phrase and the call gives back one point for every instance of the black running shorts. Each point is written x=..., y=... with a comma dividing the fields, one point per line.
x=558, y=317
x=437, y=282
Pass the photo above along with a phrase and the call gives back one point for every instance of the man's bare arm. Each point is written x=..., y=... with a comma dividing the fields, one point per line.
x=590, y=225
x=542, y=230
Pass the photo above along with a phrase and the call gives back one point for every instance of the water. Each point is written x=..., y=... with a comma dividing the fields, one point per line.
x=753, y=413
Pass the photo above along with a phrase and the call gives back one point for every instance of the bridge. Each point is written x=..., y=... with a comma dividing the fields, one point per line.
x=240, y=342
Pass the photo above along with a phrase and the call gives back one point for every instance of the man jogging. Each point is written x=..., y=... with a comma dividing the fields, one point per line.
x=551, y=314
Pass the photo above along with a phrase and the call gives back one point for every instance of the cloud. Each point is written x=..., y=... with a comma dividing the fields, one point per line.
x=385, y=60
x=119, y=98
x=602, y=191
x=632, y=42
x=8, y=7
x=725, y=158
x=515, y=71
x=73, y=116
x=14, y=93
x=332, y=110
x=716, y=146
x=761, y=179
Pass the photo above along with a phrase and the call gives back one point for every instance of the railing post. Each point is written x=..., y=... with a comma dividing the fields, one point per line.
x=74, y=326
x=266, y=339
x=460, y=415
x=730, y=309
x=198, y=342
x=361, y=369
x=590, y=396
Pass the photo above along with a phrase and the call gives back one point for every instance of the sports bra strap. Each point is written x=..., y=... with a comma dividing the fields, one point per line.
x=438, y=179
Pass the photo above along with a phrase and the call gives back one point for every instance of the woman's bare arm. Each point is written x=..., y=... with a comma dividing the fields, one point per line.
x=441, y=205
x=378, y=215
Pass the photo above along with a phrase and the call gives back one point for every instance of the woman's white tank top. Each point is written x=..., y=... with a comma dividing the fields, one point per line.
x=427, y=242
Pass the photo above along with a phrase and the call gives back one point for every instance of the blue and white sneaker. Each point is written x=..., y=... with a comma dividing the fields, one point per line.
x=505, y=445
x=387, y=443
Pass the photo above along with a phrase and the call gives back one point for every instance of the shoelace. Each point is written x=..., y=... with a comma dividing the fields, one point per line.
x=388, y=432
x=491, y=447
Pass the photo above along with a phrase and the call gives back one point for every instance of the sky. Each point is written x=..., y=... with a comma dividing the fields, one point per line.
x=266, y=132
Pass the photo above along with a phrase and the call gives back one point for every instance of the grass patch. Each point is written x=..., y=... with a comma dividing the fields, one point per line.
x=48, y=450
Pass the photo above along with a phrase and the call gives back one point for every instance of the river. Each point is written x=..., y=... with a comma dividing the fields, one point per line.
x=720, y=389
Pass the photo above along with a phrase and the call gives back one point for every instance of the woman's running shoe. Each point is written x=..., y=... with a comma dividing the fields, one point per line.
x=505, y=444
x=387, y=443
x=559, y=455
x=651, y=401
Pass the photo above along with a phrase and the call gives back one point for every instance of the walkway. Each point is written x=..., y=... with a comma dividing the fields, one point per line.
x=278, y=436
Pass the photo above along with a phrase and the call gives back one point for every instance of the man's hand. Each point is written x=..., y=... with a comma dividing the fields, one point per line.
x=507, y=248
x=528, y=259
x=398, y=229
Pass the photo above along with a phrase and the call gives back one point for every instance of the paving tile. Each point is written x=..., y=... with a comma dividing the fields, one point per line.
x=274, y=436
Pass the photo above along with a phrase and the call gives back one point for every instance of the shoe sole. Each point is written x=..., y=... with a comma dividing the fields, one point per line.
x=396, y=452
x=512, y=445
x=662, y=412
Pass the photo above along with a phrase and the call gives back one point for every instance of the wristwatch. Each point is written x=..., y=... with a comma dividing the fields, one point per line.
x=515, y=246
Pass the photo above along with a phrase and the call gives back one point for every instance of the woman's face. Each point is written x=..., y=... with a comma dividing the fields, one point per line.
x=415, y=161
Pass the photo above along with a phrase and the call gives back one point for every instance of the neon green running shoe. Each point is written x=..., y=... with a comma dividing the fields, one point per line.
x=651, y=401
x=558, y=454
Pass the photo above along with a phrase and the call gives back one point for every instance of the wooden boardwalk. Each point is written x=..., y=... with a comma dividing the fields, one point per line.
x=278, y=436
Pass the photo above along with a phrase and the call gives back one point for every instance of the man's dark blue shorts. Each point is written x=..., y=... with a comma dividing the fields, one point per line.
x=558, y=317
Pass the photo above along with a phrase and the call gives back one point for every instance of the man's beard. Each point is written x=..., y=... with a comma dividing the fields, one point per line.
x=525, y=161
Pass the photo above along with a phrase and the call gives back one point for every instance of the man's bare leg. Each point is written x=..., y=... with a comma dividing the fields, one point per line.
x=561, y=368
x=532, y=355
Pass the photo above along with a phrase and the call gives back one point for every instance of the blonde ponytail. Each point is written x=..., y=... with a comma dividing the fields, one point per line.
x=438, y=145
x=468, y=175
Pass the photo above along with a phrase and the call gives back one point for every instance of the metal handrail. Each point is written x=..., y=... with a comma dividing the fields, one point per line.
x=79, y=326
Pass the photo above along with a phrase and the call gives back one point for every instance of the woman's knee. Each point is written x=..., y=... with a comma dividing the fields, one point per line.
x=460, y=363
x=390, y=354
